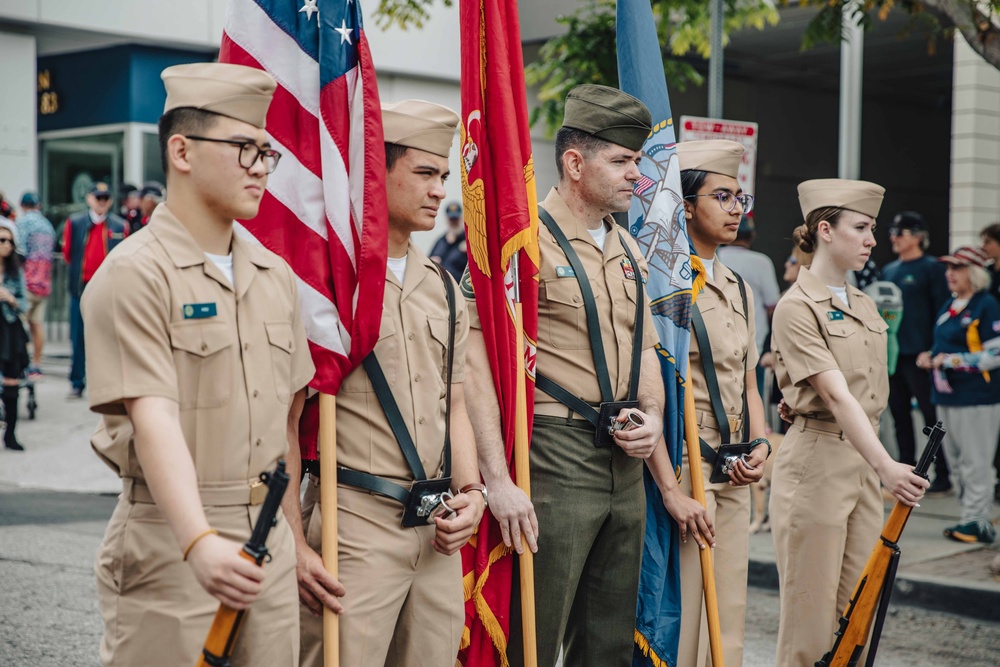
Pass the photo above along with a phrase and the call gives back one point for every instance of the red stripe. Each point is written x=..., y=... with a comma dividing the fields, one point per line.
x=287, y=120
x=337, y=116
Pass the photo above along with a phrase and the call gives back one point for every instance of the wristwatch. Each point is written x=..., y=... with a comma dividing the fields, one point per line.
x=481, y=488
x=761, y=441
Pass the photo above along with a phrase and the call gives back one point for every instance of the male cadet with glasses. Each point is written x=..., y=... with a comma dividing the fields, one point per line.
x=88, y=237
x=596, y=365
x=925, y=291
x=401, y=418
x=195, y=350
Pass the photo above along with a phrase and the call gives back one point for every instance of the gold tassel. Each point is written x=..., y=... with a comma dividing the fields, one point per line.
x=647, y=651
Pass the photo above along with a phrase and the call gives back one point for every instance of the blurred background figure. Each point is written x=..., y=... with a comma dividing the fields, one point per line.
x=13, y=338
x=757, y=269
x=129, y=209
x=35, y=239
x=921, y=279
x=6, y=210
x=990, y=237
x=152, y=193
x=965, y=392
x=450, y=250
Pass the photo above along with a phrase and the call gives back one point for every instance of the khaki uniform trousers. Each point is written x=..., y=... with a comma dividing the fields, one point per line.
x=404, y=603
x=826, y=516
x=729, y=508
x=591, y=509
x=155, y=612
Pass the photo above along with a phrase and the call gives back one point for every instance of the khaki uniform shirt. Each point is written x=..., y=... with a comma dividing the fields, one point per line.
x=734, y=351
x=163, y=320
x=564, y=352
x=813, y=331
x=412, y=350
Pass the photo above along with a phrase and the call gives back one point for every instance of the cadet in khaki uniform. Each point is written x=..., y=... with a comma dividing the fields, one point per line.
x=714, y=203
x=589, y=500
x=194, y=350
x=403, y=600
x=829, y=345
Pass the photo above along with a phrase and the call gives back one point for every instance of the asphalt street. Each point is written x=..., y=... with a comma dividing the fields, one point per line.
x=49, y=616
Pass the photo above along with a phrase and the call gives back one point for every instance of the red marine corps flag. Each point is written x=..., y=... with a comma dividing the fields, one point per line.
x=501, y=215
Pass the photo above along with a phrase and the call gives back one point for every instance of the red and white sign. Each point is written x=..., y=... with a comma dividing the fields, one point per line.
x=695, y=129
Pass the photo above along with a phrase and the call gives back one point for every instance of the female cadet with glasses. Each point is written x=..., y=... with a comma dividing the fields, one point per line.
x=829, y=347
x=730, y=413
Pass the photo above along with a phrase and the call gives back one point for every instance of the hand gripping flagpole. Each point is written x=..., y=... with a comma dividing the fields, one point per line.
x=522, y=472
x=698, y=493
x=328, y=500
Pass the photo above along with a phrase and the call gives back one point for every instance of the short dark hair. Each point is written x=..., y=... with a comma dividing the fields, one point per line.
x=991, y=232
x=392, y=153
x=569, y=138
x=182, y=120
x=692, y=180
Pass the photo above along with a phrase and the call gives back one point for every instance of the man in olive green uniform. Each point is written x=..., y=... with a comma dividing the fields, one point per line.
x=589, y=499
x=403, y=599
x=194, y=351
x=731, y=412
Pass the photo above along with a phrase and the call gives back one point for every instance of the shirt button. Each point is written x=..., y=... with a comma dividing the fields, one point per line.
x=728, y=325
x=259, y=442
x=410, y=336
x=416, y=378
x=420, y=421
x=736, y=353
x=246, y=346
x=255, y=393
x=576, y=299
x=873, y=396
x=204, y=346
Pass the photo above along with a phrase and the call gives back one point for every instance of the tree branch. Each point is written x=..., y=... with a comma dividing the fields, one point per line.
x=976, y=27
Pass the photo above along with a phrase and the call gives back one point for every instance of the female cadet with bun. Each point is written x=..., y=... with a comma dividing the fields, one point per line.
x=829, y=345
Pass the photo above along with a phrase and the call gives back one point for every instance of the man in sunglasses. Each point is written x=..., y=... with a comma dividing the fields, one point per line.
x=88, y=237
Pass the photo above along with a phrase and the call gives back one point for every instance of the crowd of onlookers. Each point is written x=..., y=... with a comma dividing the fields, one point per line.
x=27, y=243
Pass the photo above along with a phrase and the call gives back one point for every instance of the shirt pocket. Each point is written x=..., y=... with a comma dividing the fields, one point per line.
x=438, y=344
x=877, y=329
x=357, y=381
x=564, y=314
x=282, y=344
x=203, y=359
x=842, y=340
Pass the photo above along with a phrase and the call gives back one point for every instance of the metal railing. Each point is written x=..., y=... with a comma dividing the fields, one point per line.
x=57, y=307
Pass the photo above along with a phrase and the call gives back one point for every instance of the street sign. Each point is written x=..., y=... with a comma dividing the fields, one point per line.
x=694, y=128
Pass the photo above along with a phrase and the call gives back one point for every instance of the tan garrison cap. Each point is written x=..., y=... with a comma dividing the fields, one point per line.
x=608, y=114
x=718, y=156
x=860, y=196
x=418, y=124
x=240, y=92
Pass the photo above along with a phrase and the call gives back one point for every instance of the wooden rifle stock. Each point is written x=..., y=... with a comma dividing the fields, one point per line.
x=227, y=623
x=871, y=595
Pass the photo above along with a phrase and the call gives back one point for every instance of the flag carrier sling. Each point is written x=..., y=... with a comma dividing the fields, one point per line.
x=722, y=460
x=425, y=498
x=603, y=416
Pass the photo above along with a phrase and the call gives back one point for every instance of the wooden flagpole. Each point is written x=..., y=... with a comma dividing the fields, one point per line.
x=523, y=474
x=328, y=501
x=698, y=493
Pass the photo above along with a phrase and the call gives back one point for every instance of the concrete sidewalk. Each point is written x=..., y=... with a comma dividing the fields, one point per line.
x=934, y=572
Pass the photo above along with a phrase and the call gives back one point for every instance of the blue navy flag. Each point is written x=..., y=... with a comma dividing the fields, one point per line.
x=657, y=221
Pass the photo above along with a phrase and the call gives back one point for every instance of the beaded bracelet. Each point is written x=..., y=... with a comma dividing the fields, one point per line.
x=210, y=531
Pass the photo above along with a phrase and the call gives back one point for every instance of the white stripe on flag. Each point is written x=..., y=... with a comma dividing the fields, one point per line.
x=298, y=189
x=277, y=52
x=319, y=314
x=356, y=155
x=335, y=184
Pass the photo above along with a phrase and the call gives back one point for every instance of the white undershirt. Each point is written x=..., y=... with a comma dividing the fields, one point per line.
x=398, y=267
x=599, y=235
x=225, y=264
x=709, y=267
x=841, y=293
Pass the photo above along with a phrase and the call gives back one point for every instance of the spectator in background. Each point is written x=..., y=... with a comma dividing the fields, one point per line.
x=6, y=210
x=757, y=269
x=130, y=206
x=990, y=237
x=921, y=279
x=450, y=249
x=150, y=195
x=35, y=240
x=13, y=339
x=966, y=338
x=88, y=237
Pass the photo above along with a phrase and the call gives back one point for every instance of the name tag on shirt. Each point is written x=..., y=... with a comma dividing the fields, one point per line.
x=199, y=311
x=565, y=272
x=834, y=315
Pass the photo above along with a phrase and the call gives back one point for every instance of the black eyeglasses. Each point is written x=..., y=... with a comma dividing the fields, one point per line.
x=728, y=201
x=249, y=152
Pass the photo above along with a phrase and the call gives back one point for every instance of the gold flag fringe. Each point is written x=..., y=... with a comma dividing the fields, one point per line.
x=647, y=651
x=483, y=611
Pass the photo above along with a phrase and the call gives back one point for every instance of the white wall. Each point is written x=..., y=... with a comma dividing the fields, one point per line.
x=18, y=149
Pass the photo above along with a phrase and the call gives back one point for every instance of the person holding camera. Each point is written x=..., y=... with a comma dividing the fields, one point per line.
x=401, y=517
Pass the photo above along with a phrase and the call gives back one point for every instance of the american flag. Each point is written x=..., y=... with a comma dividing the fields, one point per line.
x=643, y=184
x=324, y=208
